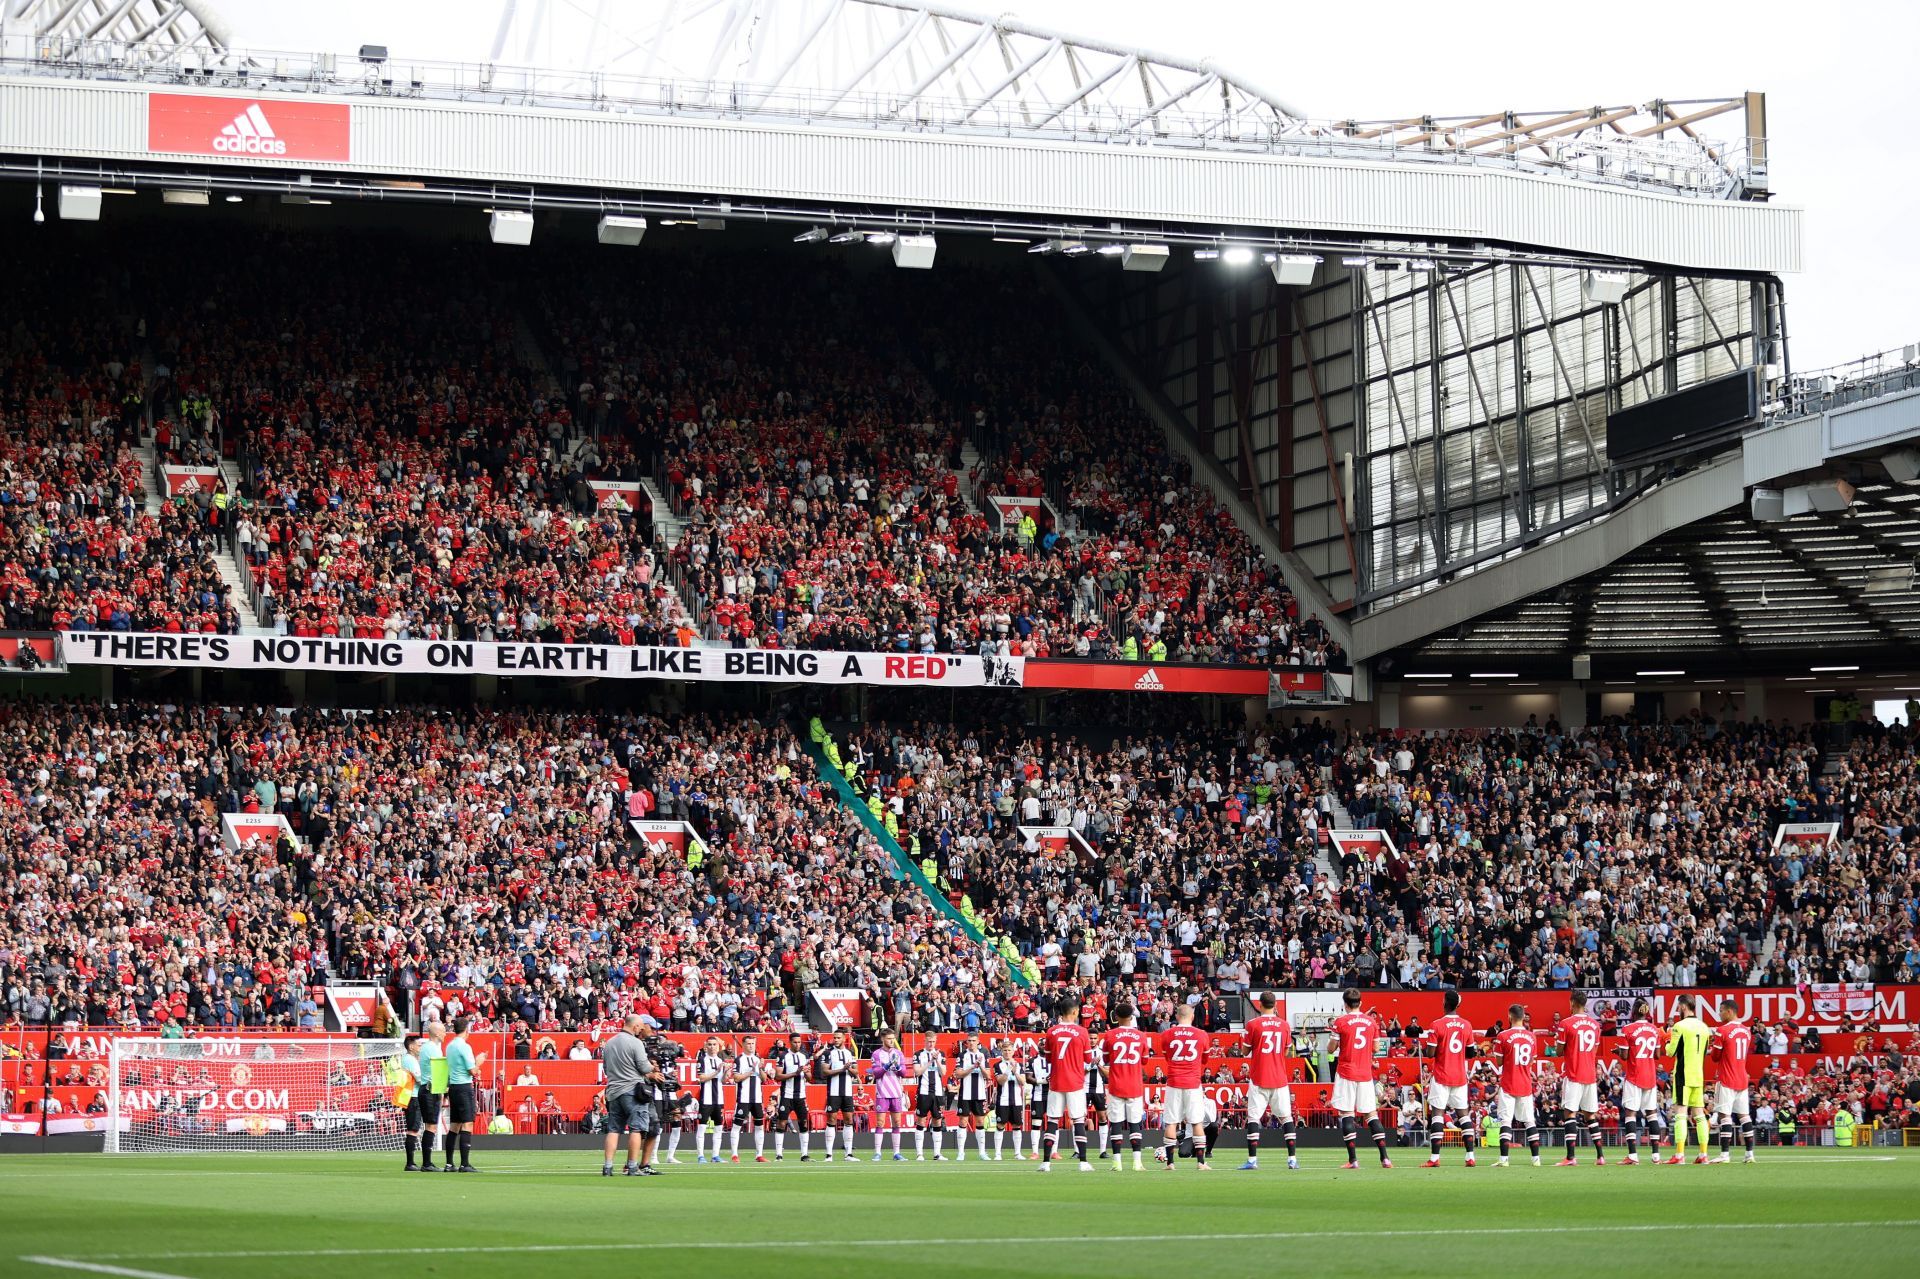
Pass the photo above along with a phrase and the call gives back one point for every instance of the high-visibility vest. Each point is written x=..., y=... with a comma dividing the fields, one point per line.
x=1130, y=650
x=1843, y=1126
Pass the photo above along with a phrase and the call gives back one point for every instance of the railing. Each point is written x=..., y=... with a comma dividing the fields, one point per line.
x=1596, y=152
x=1865, y=378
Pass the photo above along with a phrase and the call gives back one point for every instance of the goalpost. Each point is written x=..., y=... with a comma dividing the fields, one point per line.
x=226, y=1095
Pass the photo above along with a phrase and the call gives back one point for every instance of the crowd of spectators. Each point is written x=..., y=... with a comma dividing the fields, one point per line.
x=489, y=851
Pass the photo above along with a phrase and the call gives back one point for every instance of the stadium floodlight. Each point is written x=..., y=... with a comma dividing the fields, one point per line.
x=1356, y=260
x=39, y=214
x=79, y=204
x=914, y=252
x=619, y=229
x=510, y=226
x=1237, y=255
x=1657, y=674
x=880, y=237
x=1012, y=239
x=184, y=197
x=1111, y=250
x=1609, y=288
x=812, y=235
x=845, y=237
x=1294, y=268
x=1423, y=266
x=1205, y=255
x=236, y=198
x=1831, y=669
x=1428, y=675
x=1495, y=675
x=1143, y=257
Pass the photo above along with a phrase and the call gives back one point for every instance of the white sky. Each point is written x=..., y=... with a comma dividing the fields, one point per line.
x=1841, y=78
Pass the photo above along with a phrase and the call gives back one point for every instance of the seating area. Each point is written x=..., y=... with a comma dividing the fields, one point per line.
x=487, y=851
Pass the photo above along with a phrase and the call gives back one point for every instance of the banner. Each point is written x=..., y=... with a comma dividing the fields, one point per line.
x=1055, y=840
x=1145, y=677
x=1008, y=509
x=1812, y=834
x=616, y=493
x=1364, y=844
x=1615, y=1003
x=1308, y=687
x=674, y=836
x=836, y=1008
x=191, y=479
x=475, y=657
x=237, y=830
x=269, y=129
x=351, y=1007
x=1832, y=1000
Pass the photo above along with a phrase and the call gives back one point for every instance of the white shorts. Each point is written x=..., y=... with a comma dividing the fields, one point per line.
x=1354, y=1096
x=1072, y=1104
x=1511, y=1110
x=1635, y=1100
x=1442, y=1097
x=1728, y=1102
x=1126, y=1110
x=1262, y=1100
x=1584, y=1098
x=1183, y=1106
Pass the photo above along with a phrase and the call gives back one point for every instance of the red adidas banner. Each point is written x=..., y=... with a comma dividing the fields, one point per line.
x=268, y=129
x=1147, y=677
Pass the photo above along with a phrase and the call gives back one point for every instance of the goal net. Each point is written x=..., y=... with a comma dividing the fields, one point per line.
x=178, y=1096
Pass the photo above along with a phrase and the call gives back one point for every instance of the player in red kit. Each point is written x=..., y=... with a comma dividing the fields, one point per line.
x=1356, y=1034
x=1268, y=1037
x=1580, y=1080
x=1519, y=1054
x=1639, y=1053
x=1185, y=1046
x=1067, y=1050
x=1124, y=1049
x=1451, y=1037
x=1731, y=1047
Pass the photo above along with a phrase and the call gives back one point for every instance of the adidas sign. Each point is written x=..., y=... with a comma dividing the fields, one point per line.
x=1149, y=683
x=249, y=134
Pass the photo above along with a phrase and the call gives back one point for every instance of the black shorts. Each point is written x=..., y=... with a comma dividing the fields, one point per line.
x=1097, y=1105
x=749, y=1111
x=1013, y=1116
x=713, y=1114
x=429, y=1108
x=839, y=1105
x=930, y=1105
x=460, y=1103
x=974, y=1109
x=794, y=1110
x=412, y=1120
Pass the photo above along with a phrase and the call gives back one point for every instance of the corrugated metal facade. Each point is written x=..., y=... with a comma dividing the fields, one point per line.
x=662, y=153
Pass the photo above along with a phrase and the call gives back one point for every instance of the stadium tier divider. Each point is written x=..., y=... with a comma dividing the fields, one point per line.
x=851, y=801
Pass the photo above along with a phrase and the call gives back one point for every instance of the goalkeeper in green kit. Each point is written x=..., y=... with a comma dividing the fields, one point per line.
x=1687, y=1042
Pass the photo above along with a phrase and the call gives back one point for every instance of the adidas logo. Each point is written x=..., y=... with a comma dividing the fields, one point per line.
x=250, y=134
x=1149, y=683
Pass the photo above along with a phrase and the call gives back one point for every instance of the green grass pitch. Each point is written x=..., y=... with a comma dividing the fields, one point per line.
x=1800, y=1213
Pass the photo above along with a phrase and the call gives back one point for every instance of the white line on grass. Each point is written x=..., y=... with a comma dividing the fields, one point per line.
x=69, y=1263
x=763, y=1245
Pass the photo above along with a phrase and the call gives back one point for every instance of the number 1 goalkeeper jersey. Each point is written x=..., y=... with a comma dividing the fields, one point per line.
x=1687, y=1045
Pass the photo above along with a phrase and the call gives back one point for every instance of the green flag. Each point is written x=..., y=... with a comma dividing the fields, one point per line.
x=439, y=1072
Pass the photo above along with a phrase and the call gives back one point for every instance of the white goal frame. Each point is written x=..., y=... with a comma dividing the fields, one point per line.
x=265, y=1095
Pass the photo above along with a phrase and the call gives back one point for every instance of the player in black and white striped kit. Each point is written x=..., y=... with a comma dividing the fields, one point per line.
x=930, y=1100
x=1097, y=1090
x=839, y=1067
x=749, y=1085
x=710, y=1071
x=1037, y=1076
x=1009, y=1100
x=790, y=1070
x=972, y=1085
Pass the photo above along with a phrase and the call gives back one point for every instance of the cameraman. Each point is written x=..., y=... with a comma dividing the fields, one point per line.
x=631, y=1077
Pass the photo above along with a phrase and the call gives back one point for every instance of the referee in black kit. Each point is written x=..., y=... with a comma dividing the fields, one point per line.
x=629, y=1071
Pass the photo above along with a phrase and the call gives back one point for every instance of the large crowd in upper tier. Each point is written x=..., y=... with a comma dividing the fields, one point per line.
x=489, y=850
x=413, y=433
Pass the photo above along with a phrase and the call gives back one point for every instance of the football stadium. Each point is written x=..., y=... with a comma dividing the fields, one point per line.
x=851, y=633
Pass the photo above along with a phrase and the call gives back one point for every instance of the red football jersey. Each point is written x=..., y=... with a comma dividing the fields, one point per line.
x=1581, y=1036
x=1268, y=1037
x=1185, y=1048
x=1356, y=1033
x=1067, y=1046
x=1519, y=1052
x=1451, y=1036
x=1732, y=1044
x=1124, y=1050
x=1643, y=1040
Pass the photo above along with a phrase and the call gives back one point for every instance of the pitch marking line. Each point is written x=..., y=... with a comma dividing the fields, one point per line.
x=91, y=1267
x=770, y=1245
